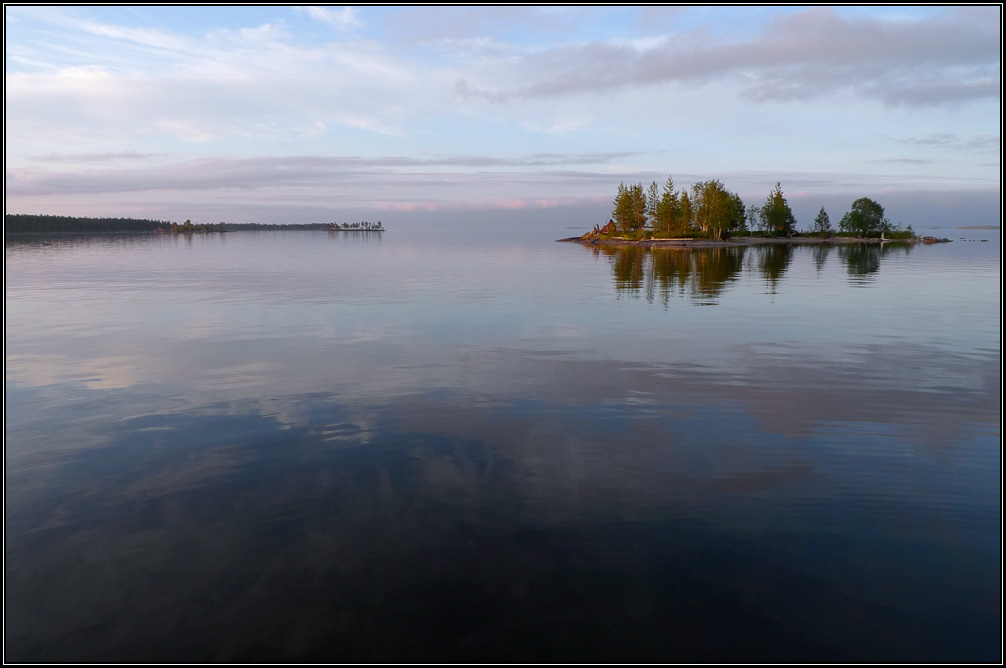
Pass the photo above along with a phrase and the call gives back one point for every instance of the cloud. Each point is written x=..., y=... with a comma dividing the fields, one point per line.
x=157, y=39
x=93, y=157
x=228, y=83
x=344, y=19
x=948, y=140
x=464, y=90
x=299, y=171
x=807, y=54
x=905, y=161
x=944, y=92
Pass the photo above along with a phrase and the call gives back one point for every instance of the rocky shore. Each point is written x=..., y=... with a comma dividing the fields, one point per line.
x=605, y=237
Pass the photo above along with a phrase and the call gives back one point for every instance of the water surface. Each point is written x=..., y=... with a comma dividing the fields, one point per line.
x=483, y=445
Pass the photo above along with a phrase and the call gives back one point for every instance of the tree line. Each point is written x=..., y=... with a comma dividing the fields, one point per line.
x=711, y=211
x=21, y=223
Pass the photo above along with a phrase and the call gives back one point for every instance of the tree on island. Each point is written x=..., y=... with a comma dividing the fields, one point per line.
x=687, y=214
x=716, y=209
x=187, y=228
x=866, y=217
x=822, y=224
x=652, y=204
x=669, y=218
x=629, y=213
x=776, y=215
x=752, y=215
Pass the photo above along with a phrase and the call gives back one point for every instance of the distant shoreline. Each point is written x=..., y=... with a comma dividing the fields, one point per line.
x=44, y=224
x=162, y=233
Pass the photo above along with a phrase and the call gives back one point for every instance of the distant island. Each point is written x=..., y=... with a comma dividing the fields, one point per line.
x=364, y=226
x=709, y=214
x=19, y=223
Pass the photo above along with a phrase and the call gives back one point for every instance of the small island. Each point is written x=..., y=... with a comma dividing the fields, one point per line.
x=362, y=226
x=711, y=215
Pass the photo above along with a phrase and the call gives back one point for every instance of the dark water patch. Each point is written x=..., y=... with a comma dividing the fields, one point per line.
x=238, y=538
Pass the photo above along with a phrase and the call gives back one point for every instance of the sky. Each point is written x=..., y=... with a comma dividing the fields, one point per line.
x=486, y=116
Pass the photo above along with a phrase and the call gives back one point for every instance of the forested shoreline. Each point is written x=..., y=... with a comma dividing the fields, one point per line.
x=20, y=223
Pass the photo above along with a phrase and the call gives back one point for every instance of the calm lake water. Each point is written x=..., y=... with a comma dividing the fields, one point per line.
x=484, y=445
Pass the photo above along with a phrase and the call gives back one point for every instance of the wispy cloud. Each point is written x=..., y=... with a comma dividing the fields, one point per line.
x=950, y=140
x=406, y=184
x=344, y=19
x=306, y=171
x=93, y=157
x=157, y=39
x=904, y=161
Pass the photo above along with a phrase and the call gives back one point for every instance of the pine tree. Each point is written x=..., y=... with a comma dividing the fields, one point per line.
x=638, y=199
x=652, y=203
x=668, y=209
x=630, y=212
x=776, y=215
x=822, y=224
x=622, y=213
x=687, y=216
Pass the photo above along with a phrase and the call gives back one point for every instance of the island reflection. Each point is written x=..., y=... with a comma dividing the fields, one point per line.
x=703, y=275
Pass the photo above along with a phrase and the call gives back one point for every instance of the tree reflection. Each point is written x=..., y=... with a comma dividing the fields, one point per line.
x=700, y=274
x=821, y=253
x=714, y=268
x=773, y=262
x=863, y=260
x=628, y=267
